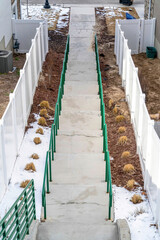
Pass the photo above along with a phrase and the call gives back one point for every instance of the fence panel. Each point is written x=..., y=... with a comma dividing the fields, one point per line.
x=147, y=34
x=2, y=168
x=148, y=142
x=9, y=139
x=131, y=29
x=139, y=32
x=153, y=174
x=20, y=121
x=14, y=120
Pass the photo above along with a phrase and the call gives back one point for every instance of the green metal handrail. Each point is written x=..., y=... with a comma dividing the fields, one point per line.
x=15, y=224
x=108, y=178
x=54, y=132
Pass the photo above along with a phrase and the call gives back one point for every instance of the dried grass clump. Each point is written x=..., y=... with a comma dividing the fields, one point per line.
x=35, y=156
x=42, y=121
x=122, y=140
x=37, y=140
x=125, y=154
x=45, y=104
x=43, y=112
x=120, y=118
x=136, y=199
x=111, y=104
x=40, y=131
x=130, y=184
x=138, y=211
x=30, y=167
x=24, y=183
x=128, y=168
x=115, y=110
x=121, y=129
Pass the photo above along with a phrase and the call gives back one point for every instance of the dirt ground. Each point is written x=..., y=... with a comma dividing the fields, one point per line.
x=112, y=90
x=50, y=77
x=149, y=76
x=9, y=80
x=149, y=69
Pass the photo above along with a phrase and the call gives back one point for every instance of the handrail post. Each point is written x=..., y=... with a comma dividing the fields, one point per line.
x=47, y=175
x=26, y=211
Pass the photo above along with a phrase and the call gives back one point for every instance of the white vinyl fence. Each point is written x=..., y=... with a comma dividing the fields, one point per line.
x=140, y=33
x=13, y=122
x=148, y=142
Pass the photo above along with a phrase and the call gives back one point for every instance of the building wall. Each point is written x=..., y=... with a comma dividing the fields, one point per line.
x=146, y=9
x=5, y=25
x=155, y=12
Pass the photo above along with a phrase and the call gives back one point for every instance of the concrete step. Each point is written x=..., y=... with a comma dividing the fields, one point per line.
x=82, y=77
x=72, y=120
x=76, y=231
x=74, y=26
x=82, y=18
x=79, y=144
x=81, y=103
x=78, y=194
x=75, y=88
x=82, y=168
x=80, y=66
x=85, y=43
x=80, y=132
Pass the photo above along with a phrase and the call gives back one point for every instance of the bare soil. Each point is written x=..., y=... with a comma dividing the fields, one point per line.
x=51, y=73
x=112, y=90
x=9, y=80
x=149, y=76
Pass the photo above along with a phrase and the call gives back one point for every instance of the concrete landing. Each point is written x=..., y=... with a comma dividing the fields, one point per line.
x=77, y=206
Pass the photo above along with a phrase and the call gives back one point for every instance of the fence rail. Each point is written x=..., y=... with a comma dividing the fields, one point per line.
x=148, y=143
x=16, y=222
x=54, y=131
x=14, y=120
x=104, y=129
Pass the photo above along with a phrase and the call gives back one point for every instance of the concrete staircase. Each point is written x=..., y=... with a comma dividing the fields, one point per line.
x=77, y=207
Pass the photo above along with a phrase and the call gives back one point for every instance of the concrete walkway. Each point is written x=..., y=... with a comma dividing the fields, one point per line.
x=77, y=207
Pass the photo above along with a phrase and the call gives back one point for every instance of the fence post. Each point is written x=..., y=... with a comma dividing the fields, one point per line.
x=39, y=51
x=149, y=152
x=124, y=73
x=12, y=100
x=42, y=42
x=115, y=45
x=29, y=75
x=135, y=76
x=34, y=61
x=46, y=37
x=22, y=76
x=128, y=71
x=121, y=53
x=140, y=119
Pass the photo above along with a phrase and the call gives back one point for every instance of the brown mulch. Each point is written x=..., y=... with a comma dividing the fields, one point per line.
x=49, y=80
x=9, y=80
x=149, y=76
x=113, y=90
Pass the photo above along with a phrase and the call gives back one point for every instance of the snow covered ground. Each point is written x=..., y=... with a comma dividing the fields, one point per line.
x=28, y=147
x=55, y=16
x=138, y=216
